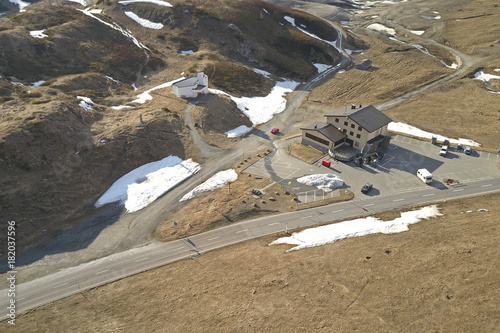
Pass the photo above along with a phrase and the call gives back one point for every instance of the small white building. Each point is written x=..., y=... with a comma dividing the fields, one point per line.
x=191, y=87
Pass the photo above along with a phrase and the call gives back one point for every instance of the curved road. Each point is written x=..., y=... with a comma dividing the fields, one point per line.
x=49, y=288
x=116, y=266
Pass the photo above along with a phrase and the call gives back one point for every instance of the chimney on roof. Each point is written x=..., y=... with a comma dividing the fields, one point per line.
x=353, y=106
x=315, y=126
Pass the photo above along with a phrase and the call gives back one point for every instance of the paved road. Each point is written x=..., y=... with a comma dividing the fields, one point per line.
x=101, y=271
x=49, y=288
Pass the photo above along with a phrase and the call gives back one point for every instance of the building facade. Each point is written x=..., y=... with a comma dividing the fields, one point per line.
x=191, y=87
x=362, y=128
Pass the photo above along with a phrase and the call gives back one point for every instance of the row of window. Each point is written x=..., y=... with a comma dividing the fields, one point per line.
x=346, y=124
x=351, y=133
x=326, y=143
x=315, y=138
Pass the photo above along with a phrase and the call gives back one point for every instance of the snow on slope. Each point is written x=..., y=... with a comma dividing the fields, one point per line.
x=355, y=228
x=145, y=23
x=218, y=180
x=143, y=185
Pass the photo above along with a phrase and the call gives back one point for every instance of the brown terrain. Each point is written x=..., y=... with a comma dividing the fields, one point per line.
x=57, y=158
x=440, y=276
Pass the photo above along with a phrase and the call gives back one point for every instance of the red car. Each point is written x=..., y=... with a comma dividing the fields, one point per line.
x=275, y=130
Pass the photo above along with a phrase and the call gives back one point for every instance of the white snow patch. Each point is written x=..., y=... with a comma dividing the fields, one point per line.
x=154, y=2
x=412, y=130
x=21, y=4
x=335, y=43
x=355, y=228
x=261, y=109
x=38, y=33
x=187, y=52
x=84, y=3
x=480, y=75
x=146, y=96
x=143, y=185
x=326, y=182
x=322, y=67
x=37, y=83
x=109, y=77
x=262, y=72
x=381, y=28
x=427, y=17
x=425, y=51
x=145, y=23
x=238, y=131
x=417, y=32
x=86, y=102
x=216, y=181
x=126, y=33
x=120, y=107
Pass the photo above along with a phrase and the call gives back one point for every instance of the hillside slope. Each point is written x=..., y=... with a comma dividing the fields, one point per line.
x=57, y=156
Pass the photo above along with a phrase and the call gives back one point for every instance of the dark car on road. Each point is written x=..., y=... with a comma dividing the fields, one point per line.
x=367, y=187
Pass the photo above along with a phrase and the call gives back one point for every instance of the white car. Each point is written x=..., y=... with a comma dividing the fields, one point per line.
x=443, y=151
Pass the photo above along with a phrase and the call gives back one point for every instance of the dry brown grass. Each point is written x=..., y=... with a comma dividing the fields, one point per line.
x=439, y=276
x=231, y=203
x=305, y=153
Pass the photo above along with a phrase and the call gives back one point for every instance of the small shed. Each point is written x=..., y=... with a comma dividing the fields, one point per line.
x=364, y=64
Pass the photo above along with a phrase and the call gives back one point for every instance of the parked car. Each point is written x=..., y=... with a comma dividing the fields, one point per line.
x=275, y=130
x=367, y=187
x=468, y=150
x=446, y=142
x=443, y=151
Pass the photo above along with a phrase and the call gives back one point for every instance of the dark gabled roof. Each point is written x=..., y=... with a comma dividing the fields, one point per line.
x=199, y=87
x=328, y=130
x=370, y=118
x=188, y=82
x=364, y=64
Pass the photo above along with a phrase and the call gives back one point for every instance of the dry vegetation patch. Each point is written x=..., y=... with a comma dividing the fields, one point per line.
x=305, y=153
x=396, y=70
x=231, y=203
x=451, y=111
x=439, y=276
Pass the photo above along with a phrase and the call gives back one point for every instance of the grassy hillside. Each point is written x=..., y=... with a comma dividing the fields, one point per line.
x=56, y=157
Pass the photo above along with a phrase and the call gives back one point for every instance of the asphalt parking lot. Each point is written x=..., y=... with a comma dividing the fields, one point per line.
x=396, y=172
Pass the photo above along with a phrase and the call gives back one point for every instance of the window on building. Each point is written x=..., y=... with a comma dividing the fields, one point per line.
x=336, y=120
x=352, y=125
x=360, y=128
x=344, y=130
x=356, y=143
x=358, y=136
x=351, y=133
x=315, y=138
x=345, y=123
